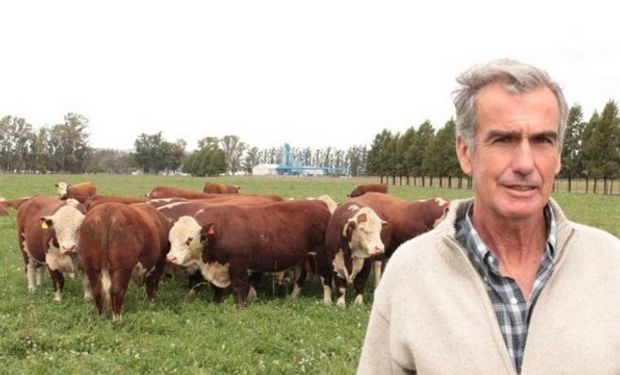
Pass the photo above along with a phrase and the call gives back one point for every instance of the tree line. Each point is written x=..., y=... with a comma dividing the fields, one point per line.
x=591, y=150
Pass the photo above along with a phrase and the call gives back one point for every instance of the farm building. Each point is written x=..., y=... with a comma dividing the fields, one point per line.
x=265, y=170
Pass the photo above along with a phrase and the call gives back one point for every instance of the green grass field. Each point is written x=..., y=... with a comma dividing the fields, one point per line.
x=178, y=333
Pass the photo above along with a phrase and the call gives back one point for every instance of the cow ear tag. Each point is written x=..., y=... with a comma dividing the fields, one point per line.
x=44, y=224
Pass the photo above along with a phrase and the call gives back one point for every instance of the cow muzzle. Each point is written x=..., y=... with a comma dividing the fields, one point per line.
x=67, y=249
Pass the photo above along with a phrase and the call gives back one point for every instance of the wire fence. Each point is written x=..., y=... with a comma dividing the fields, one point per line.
x=561, y=185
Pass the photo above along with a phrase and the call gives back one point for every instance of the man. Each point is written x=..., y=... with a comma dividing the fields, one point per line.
x=506, y=284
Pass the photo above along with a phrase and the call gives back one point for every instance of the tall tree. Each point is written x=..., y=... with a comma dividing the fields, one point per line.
x=601, y=143
x=233, y=150
x=572, y=153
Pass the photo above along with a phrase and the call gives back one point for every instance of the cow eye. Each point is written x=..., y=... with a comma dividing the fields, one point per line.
x=189, y=240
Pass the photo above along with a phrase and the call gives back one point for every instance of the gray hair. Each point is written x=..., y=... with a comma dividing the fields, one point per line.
x=518, y=78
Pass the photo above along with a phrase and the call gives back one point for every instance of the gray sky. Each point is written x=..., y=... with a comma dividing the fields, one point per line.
x=313, y=73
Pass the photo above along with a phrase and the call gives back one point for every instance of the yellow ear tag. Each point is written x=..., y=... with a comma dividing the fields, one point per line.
x=44, y=225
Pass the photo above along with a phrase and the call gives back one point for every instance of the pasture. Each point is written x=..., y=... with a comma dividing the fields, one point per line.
x=179, y=333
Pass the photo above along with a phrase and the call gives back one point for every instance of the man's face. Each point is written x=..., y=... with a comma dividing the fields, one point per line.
x=516, y=155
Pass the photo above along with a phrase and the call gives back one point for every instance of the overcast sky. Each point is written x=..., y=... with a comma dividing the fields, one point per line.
x=312, y=73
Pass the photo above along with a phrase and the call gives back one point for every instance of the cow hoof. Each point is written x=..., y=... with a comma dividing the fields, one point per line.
x=88, y=296
x=359, y=300
x=57, y=297
x=341, y=302
x=117, y=318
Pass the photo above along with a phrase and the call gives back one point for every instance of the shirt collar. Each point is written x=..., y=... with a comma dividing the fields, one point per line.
x=468, y=236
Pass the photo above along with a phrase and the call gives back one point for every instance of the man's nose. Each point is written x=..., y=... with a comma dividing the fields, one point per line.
x=523, y=158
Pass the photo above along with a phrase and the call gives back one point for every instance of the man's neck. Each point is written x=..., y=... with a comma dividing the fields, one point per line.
x=518, y=245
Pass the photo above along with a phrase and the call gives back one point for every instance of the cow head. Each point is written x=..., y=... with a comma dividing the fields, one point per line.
x=185, y=242
x=363, y=233
x=62, y=189
x=66, y=222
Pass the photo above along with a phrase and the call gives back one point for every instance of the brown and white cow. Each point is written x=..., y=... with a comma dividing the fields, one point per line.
x=42, y=243
x=266, y=238
x=362, y=189
x=182, y=254
x=355, y=236
x=407, y=219
x=79, y=191
x=120, y=242
x=219, y=188
x=12, y=203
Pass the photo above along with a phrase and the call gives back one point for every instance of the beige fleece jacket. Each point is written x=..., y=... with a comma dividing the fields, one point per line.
x=432, y=314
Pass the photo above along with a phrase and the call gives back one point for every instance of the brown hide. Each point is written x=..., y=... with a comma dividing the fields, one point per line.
x=3, y=210
x=263, y=238
x=218, y=188
x=407, y=219
x=173, y=192
x=175, y=210
x=80, y=191
x=37, y=239
x=96, y=200
x=115, y=238
x=366, y=188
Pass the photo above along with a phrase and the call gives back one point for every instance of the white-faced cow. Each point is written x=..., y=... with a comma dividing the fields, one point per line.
x=185, y=252
x=46, y=230
x=266, y=238
x=80, y=191
x=355, y=236
x=120, y=242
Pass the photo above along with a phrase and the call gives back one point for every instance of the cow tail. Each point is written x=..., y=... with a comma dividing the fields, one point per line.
x=106, y=280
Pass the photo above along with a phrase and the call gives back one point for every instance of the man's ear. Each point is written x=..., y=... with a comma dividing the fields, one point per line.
x=464, y=154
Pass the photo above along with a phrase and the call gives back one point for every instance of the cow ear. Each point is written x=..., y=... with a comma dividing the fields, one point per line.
x=385, y=224
x=46, y=222
x=349, y=227
x=208, y=233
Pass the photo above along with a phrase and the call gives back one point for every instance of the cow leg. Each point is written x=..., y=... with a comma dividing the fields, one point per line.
x=254, y=281
x=120, y=281
x=88, y=294
x=341, y=290
x=59, y=282
x=326, y=282
x=218, y=293
x=299, y=281
x=239, y=283
x=360, y=281
x=96, y=283
x=193, y=282
x=39, y=272
x=153, y=278
x=30, y=270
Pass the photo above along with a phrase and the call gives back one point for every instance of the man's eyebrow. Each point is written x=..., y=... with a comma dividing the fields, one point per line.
x=502, y=134
x=493, y=134
x=552, y=134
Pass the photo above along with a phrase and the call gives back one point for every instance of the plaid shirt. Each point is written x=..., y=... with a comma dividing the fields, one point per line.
x=512, y=310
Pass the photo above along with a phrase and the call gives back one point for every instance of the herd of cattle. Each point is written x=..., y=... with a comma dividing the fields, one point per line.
x=218, y=235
